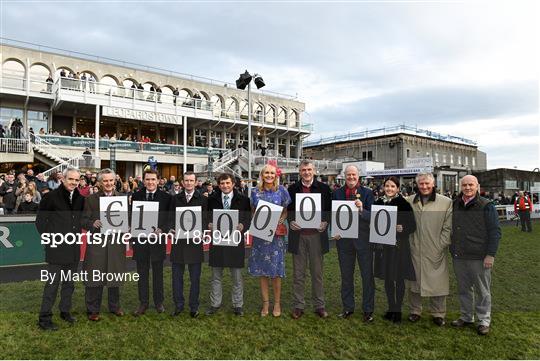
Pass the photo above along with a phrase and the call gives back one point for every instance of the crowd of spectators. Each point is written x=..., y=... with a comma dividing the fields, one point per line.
x=20, y=193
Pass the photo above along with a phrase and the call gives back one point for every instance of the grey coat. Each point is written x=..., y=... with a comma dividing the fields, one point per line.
x=108, y=259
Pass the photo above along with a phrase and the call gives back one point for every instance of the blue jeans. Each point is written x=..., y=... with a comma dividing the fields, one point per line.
x=178, y=285
x=348, y=255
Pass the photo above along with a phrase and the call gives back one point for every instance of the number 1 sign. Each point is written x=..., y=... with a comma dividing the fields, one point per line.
x=382, y=228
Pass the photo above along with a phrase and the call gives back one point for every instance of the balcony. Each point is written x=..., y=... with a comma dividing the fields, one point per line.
x=87, y=92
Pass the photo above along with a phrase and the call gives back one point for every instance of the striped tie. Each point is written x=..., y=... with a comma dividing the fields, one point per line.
x=226, y=204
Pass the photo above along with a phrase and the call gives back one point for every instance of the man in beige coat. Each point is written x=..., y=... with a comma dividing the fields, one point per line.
x=429, y=249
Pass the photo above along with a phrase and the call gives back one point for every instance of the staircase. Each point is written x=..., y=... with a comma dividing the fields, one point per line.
x=58, y=159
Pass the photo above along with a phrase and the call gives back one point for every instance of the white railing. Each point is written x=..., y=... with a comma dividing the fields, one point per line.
x=133, y=94
x=50, y=150
x=19, y=83
x=78, y=162
x=14, y=145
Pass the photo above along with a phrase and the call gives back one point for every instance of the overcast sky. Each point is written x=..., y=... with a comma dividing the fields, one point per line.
x=469, y=68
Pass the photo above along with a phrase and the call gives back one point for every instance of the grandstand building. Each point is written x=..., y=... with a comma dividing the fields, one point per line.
x=125, y=113
x=405, y=151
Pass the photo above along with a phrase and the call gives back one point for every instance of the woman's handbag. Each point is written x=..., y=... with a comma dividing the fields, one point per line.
x=281, y=230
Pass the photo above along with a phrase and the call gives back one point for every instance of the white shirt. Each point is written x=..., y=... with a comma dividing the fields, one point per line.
x=189, y=195
x=230, y=195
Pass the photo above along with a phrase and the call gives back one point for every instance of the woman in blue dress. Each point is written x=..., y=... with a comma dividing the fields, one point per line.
x=267, y=260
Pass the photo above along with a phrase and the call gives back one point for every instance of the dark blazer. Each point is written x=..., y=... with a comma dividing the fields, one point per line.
x=181, y=250
x=366, y=196
x=108, y=259
x=326, y=207
x=56, y=215
x=153, y=252
x=230, y=256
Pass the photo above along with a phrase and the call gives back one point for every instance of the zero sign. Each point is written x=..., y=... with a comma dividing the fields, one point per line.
x=349, y=217
x=182, y=218
x=377, y=217
x=302, y=214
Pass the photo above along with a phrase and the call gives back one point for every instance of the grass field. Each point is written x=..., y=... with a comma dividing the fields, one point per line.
x=515, y=327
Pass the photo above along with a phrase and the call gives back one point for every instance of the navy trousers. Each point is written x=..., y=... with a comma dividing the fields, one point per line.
x=178, y=270
x=348, y=254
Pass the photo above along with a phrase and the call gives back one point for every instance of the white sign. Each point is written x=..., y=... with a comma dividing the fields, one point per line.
x=224, y=232
x=113, y=214
x=419, y=162
x=398, y=171
x=141, y=115
x=510, y=213
x=308, y=210
x=265, y=220
x=535, y=188
x=144, y=217
x=345, y=219
x=382, y=228
x=187, y=221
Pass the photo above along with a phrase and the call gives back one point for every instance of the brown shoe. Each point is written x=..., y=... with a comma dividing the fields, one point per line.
x=141, y=310
x=94, y=317
x=413, y=317
x=321, y=312
x=119, y=312
x=482, y=330
x=297, y=313
x=160, y=308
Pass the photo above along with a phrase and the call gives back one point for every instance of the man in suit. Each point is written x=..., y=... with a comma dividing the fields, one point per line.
x=110, y=258
x=352, y=249
x=187, y=251
x=309, y=245
x=146, y=254
x=60, y=212
x=228, y=256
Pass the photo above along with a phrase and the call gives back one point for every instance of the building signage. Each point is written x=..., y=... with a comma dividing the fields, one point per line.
x=141, y=115
x=419, y=162
x=398, y=171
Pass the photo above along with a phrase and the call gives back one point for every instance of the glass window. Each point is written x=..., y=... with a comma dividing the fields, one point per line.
x=466, y=160
x=8, y=116
x=282, y=146
x=215, y=139
x=473, y=161
x=38, y=120
x=437, y=157
x=444, y=158
x=200, y=138
x=230, y=140
x=408, y=153
x=451, y=159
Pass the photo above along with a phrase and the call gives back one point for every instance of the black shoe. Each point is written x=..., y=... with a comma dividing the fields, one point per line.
x=461, y=323
x=47, y=326
x=177, y=312
x=439, y=321
x=238, y=311
x=482, y=330
x=397, y=317
x=211, y=311
x=389, y=316
x=368, y=317
x=345, y=314
x=194, y=314
x=160, y=308
x=141, y=310
x=413, y=317
x=66, y=316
